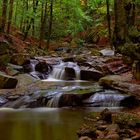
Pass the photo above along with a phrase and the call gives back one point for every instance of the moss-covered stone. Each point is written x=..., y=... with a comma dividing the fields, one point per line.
x=7, y=82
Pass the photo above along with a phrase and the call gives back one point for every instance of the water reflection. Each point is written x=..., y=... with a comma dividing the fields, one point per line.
x=40, y=124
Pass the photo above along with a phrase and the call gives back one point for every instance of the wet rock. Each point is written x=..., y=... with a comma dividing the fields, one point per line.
x=130, y=101
x=43, y=67
x=121, y=83
x=90, y=74
x=21, y=102
x=29, y=65
x=3, y=100
x=69, y=73
x=69, y=100
x=7, y=82
x=39, y=75
x=106, y=115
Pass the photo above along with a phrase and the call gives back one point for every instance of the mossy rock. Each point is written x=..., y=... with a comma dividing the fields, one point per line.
x=7, y=82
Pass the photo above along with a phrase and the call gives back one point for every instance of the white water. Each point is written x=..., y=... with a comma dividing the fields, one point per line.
x=59, y=71
x=106, y=98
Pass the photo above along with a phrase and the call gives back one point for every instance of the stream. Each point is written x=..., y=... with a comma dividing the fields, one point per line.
x=62, y=114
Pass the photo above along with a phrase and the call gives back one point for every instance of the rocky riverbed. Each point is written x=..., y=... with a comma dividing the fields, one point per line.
x=110, y=126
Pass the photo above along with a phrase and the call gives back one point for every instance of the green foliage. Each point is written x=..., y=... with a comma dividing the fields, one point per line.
x=69, y=16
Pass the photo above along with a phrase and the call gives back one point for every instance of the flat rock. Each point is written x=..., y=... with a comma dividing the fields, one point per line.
x=121, y=83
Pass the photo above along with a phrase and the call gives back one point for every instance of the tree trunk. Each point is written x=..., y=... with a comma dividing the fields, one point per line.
x=29, y=23
x=43, y=22
x=10, y=16
x=16, y=11
x=4, y=15
x=119, y=36
x=108, y=20
x=50, y=24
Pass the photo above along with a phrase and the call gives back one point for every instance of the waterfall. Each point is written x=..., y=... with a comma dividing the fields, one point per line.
x=107, y=98
x=59, y=71
x=33, y=63
x=54, y=102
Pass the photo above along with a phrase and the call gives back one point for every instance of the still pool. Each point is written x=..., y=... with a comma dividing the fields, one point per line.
x=42, y=123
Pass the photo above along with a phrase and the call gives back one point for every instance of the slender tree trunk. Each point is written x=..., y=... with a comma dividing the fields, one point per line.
x=16, y=11
x=22, y=17
x=50, y=24
x=133, y=13
x=29, y=24
x=4, y=15
x=108, y=20
x=43, y=22
x=10, y=16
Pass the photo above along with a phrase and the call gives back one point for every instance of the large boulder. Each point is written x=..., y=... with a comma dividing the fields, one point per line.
x=7, y=82
x=90, y=74
x=121, y=83
x=43, y=67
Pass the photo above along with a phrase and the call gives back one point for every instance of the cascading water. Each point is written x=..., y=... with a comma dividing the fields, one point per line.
x=59, y=71
x=107, y=98
x=54, y=102
x=60, y=97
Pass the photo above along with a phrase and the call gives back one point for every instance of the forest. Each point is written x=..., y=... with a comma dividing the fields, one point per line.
x=70, y=69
